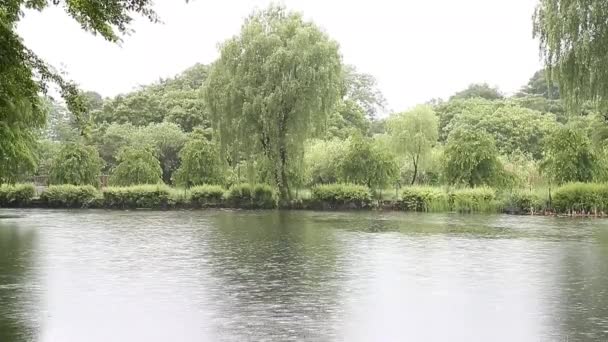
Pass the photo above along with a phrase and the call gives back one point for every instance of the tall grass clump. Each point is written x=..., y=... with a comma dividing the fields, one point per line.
x=138, y=196
x=427, y=199
x=247, y=196
x=524, y=201
x=336, y=196
x=70, y=196
x=581, y=197
x=206, y=195
x=468, y=200
x=16, y=194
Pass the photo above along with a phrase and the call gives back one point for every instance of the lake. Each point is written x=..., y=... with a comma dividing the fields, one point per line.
x=218, y=275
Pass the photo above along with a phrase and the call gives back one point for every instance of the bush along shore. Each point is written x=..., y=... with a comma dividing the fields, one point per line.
x=574, y=199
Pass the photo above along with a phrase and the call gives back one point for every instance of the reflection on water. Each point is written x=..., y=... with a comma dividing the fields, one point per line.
x=270, y=275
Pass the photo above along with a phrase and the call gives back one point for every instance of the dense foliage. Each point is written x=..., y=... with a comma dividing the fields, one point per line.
x=471, y=158
x=200, y=164
x=76, y=164
x=573, y=38
x=136, y=166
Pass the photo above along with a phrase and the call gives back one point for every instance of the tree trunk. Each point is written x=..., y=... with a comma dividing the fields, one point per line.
x=415, y=169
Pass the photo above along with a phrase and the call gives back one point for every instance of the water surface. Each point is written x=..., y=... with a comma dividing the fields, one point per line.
x=317, y=276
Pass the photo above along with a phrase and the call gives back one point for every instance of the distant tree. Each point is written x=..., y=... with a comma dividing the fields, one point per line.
x=471, y=158
x=200, y=164
x=513, y=128
x=46, y=151
x=136, y=166
x=367, y=163
x=539, y=85
x=448, y=111
x=347, y=118
x=323, y=160
x=178, y=100
x=482, y=90
x=573, y=35
x=413, y=134
x=363, y=90
x=76, y=164
x=568, y=156
x=110, y=139
x=272, y=85
x=166, y=140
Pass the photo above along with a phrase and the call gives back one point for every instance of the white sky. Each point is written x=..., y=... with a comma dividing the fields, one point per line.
x=417, y=49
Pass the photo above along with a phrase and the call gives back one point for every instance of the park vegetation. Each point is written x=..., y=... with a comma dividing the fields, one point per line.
x=278, y=120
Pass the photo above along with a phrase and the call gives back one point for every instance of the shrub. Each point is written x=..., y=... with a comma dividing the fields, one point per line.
x=587, y=197
x=137, y=196
x=259, y=196
x=204, y=195
x=339, y=195
x=69, y=196
x=523, y=201
x=423, y=199
x=480, y=199
x=16, y=195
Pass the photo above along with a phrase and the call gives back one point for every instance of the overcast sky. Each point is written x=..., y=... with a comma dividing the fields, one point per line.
x=417, y=49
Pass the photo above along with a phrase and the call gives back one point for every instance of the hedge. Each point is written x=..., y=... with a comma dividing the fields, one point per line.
x=206, y=195
x=336, y=196
x=70, y=196
x=16, y=194
x=137, y=196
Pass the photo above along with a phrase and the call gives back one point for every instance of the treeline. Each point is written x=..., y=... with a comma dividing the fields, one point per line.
x=299, y=118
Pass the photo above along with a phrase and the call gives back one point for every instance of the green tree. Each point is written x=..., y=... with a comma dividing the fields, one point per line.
x=200, y=164
x=573, y=36
x=368, y=163
x=513, y=128
x=539, y=85
x=448, y=111
x=471, y=158
x=76, y=164
x=569, y=156
x=111, y=139
x=136, y=166
x=272, y=85
x=166, y=140
x=21, y=112
x=413, y=134
x=323, y=160
x=362, y=89
x=347, y=119
x=482, y=90
x=178, y=100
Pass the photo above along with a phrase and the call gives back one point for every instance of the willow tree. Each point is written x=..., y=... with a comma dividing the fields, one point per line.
x=574, y=43
x=23, y=75
x=272, y=86
x=413, y=134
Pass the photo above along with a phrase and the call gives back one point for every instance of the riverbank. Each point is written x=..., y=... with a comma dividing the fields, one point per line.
x=575, y=199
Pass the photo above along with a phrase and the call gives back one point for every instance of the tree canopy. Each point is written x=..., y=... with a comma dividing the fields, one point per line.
x=573, y=38
x=136, y=166
x=482, y=90
x=272, y=85
x=471, y=158
x=76, y=164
